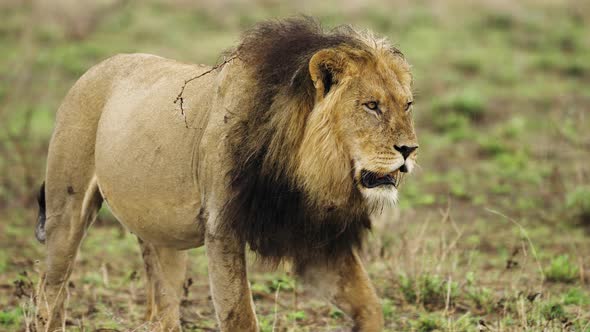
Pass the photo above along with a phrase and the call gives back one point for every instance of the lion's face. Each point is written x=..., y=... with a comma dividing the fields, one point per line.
x=370, y=106
x=376, y=126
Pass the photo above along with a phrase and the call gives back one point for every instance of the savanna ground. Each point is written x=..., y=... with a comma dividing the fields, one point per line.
x=492, y=232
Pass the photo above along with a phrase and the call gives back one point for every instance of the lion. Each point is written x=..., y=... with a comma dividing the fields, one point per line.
x=287, y=148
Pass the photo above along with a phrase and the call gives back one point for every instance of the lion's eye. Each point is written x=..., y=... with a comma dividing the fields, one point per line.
x=372, y=105
x=409, y=105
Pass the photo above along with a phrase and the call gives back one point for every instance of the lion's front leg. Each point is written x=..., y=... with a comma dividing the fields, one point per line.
x=346, y=284
x=229, y=283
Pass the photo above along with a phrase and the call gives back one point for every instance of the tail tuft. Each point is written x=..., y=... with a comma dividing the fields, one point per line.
x=40, y=229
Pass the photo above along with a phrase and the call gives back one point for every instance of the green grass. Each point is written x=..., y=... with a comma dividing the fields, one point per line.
x=577, y=203
x=428, y=323
x=562, y=269
x=3, y=261
x=11, y=318
x=576, y=296
x=430, y=291
x=553, y=312
x=469, y=103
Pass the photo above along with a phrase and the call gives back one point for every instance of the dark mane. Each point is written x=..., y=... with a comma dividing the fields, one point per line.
x=279, y=51
x=267, y=209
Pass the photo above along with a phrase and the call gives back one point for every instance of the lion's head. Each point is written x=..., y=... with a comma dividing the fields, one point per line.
x=323, y=139
x=360, y=131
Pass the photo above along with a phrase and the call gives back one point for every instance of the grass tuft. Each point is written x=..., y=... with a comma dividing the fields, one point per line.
x=577, y=204
x=576, y=296
x=553, y=311
x=10, y=317
x=428, y=323
x=470, y=103
x=562, y=269
x=431, y=291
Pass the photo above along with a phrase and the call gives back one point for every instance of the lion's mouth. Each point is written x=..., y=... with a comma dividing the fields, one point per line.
x=372, y=180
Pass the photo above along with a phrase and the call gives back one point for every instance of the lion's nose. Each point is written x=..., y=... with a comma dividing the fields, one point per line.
x=405, y=150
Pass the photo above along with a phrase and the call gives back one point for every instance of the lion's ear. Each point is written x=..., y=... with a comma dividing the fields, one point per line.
x=325, y=68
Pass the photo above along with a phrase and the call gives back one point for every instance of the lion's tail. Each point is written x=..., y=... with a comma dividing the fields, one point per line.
x=40, y=229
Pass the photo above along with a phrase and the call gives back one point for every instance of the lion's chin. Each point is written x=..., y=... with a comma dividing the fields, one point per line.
x=380, y=197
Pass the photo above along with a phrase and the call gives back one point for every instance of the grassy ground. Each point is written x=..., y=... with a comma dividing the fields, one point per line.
x=492, y=232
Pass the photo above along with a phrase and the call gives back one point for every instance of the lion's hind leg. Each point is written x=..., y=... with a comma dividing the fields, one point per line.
x=70, y=212
x=166, y=271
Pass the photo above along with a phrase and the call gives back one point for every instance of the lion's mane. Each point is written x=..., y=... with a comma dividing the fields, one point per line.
x=269, y=208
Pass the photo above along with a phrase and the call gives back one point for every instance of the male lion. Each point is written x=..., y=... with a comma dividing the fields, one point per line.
x=288, y=147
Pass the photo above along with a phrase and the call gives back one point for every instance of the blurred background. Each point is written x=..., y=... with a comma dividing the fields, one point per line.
x=492, y=232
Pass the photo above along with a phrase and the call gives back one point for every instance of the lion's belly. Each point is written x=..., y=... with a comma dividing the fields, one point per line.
x=146, y=166
x=160, y=209
x=175, y=225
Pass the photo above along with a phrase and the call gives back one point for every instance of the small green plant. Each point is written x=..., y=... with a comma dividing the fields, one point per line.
x=553, y=311
x=266, y=323
x=297, y=315
x=491, y=145
x=434, y=290
x=469, y=65
x=260, y=287
x=413, y=196
x=500, y=21
x=3, y=262
x=336, y=313
x=450, y=122
x=577, y=203
x=514, y=128
x=285, y=283
x=480, y=296
x=430, y=291
x=428, y=323
x=469, y=103
x=10, y=318
x=408, y=288
x=388, y=308
x=561, y=269
x=458, y=184
x=575, y=296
